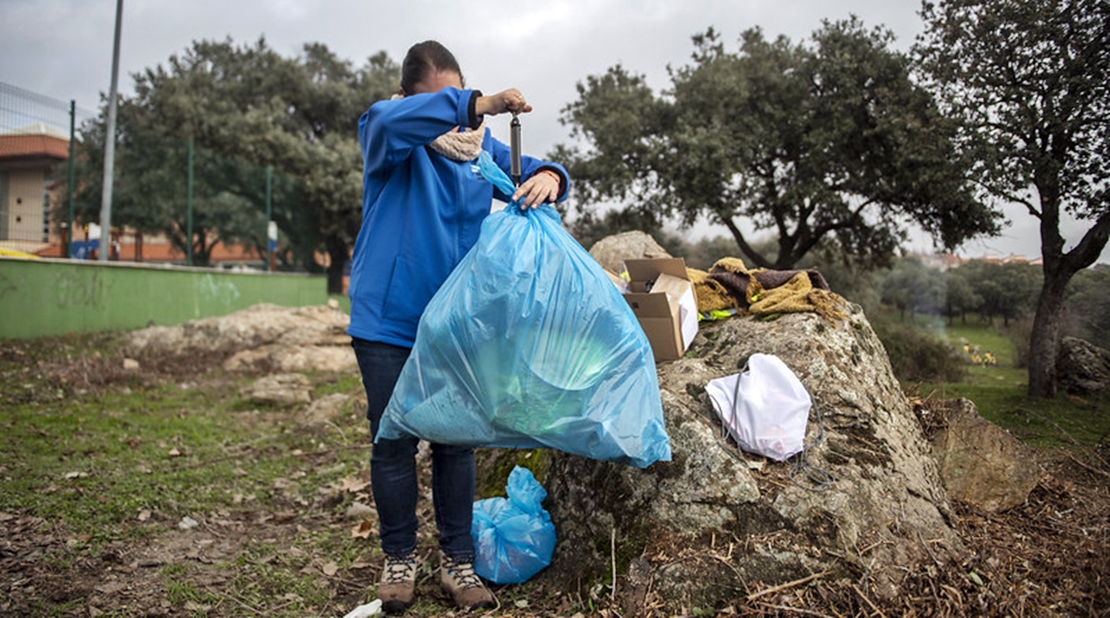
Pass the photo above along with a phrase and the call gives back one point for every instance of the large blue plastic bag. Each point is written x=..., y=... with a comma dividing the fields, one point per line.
x=528, y=344
x=514, y=537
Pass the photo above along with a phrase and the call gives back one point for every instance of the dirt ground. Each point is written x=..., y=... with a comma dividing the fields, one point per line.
x=1047, y=557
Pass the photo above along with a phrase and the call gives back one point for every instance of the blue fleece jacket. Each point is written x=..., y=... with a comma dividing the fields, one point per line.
x=421, y=211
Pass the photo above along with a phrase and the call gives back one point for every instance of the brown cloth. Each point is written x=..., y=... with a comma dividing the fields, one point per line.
x=711, y=294
x=730, y=285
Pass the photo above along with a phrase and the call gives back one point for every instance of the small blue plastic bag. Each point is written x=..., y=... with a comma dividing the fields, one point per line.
x=528, y=344
x=513, y=538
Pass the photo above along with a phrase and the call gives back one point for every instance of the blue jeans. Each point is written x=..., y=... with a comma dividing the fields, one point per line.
x=393, y=467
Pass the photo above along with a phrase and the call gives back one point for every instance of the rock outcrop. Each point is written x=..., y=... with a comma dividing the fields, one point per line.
x=612, y=251
x=980, y=463
x=264, y=337
x=1083, y=368
x=870, y=506
x=283, y=389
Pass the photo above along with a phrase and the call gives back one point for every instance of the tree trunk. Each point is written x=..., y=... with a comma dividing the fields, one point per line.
x=1059, y=268
x=1046, y=336
x=746, y=249
x=339, y=253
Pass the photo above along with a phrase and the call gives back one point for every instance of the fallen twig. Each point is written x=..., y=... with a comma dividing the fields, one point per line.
x=1086, y=467
x=798, y=582
x=795, y=610
x=613, y=555
x=868, y=601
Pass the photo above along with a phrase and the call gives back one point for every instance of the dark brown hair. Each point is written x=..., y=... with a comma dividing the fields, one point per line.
x=426, y=59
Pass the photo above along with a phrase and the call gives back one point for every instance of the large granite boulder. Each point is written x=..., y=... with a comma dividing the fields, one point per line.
x=868, y=506
x=980, y=463
x=1082, y=368
x=612, y=251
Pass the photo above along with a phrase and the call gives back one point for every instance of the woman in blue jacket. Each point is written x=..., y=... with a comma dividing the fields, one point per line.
x=422, y=208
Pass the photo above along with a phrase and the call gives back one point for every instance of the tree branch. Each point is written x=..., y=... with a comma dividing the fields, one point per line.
x=747, y=249
x=1090, y=247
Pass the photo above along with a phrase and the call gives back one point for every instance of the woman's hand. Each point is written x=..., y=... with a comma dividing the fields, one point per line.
x=511, y=100
x=540, y=188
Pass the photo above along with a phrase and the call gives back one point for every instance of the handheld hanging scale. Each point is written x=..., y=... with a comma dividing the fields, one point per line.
x=514, y=145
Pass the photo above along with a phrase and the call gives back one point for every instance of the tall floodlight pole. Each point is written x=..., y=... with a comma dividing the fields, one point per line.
x=110, y=147
x=271, y=227
x=72, y=168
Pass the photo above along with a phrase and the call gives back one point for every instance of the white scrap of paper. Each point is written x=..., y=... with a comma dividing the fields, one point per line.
x=365, y=611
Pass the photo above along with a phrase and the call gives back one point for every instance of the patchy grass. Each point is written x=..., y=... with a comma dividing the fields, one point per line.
x=204, y=503
x=160, y=491
x=96, y=461
x=1060, y=422
x=1000, y=394
x=985, y=336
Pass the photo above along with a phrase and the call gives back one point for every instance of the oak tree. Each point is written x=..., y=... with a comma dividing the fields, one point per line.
x=828, y=143
x=1029, y=83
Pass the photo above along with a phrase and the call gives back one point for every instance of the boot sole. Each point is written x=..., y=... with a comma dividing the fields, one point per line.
x=394, y=606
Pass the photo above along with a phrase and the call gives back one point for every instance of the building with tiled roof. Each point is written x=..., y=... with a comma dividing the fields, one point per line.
x=29, y=193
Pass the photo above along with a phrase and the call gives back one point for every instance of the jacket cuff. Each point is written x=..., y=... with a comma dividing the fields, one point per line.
x=474, y=119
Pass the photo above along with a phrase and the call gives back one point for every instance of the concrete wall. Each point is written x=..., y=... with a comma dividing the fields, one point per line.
x=54, y=297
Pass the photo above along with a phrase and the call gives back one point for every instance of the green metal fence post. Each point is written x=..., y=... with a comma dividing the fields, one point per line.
x=189, y=207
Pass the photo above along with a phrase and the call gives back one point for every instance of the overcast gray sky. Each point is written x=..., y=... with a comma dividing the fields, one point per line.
x=63, y=48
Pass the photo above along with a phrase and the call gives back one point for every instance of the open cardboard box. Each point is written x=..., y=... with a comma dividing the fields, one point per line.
x=668, y=313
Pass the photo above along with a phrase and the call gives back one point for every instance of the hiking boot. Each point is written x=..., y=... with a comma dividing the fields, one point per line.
x=460, y=581
x=397, y=587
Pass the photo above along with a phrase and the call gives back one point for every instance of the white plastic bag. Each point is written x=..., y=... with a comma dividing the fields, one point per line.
x=764, y=408
x=365, y=611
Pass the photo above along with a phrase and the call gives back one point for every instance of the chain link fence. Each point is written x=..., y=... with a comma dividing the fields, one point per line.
x=165, y=191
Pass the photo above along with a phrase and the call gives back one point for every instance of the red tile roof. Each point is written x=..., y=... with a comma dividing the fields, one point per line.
x=33, y=146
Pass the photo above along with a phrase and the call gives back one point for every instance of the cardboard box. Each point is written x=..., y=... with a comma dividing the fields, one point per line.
x=668, y=311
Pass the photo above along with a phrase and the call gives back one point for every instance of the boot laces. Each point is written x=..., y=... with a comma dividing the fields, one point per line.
x=463, y=573
x=399, y=570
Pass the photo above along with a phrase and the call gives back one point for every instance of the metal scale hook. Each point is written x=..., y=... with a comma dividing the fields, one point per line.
x=514, y=145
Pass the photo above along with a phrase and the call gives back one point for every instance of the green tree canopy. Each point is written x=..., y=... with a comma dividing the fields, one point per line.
x=961, y=295
x=1029, y=83
x=827, y=143
x=1008, y=290
x=246, y=108
x=913, y=286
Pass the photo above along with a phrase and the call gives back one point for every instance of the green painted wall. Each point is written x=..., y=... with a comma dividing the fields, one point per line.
x=54, y=297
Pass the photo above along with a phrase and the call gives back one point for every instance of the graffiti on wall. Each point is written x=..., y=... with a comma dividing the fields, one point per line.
x=7, y=286
x=217, y=292
x=80, y=288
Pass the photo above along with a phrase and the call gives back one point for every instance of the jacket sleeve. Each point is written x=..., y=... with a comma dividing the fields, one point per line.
x=390, y=130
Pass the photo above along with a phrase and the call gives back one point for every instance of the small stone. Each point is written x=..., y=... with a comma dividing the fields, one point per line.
x=187, y=523
x=358, y=510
